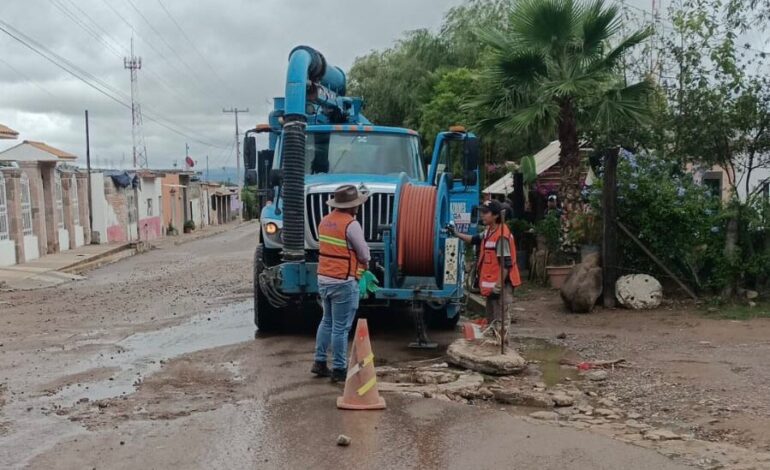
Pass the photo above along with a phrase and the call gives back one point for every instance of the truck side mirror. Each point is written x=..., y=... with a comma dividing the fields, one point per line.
x=250, y=153
x=470, y=160
x=276, y=177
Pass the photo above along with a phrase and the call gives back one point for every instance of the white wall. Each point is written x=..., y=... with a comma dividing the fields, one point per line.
x=104, y=215
x=31, y=250
x=79, y=236
x=151, y=189
x=64, y=239
x=7, y=253
x=196, y=212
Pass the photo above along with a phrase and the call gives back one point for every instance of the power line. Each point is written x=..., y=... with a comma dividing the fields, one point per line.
x=192, y=44
x=91, y=31
x=86, y=77
x=95, y=30
x=163, y=40
x=26, y=77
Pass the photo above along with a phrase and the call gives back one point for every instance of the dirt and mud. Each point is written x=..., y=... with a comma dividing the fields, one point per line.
x=152, y=362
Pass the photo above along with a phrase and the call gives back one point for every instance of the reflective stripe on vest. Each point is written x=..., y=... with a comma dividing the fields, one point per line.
x=489, y=267
x=335, y=258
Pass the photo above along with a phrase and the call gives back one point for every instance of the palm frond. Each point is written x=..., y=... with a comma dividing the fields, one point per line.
x=623, y=105
x=545, y=24
x=541, y=114
x=612, y=59
x=600, y=23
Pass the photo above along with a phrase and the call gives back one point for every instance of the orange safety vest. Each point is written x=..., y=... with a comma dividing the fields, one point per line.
x=489, y=267
x=336, y=259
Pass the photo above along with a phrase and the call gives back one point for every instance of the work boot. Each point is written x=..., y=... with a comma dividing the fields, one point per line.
x=339, y=375
x=320, y=369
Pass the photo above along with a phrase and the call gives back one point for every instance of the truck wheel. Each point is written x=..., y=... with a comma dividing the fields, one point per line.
x=437, y=318
x=266, y=317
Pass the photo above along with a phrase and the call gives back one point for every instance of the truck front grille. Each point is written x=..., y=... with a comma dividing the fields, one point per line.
x=377, y=210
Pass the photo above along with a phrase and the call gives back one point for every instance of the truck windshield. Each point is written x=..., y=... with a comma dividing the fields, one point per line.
x=366, y=152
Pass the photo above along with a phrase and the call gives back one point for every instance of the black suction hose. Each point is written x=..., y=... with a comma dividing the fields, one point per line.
x=293, y=188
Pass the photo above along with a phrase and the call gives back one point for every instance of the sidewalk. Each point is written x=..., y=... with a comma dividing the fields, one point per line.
x=58, y=268
x=51, y=270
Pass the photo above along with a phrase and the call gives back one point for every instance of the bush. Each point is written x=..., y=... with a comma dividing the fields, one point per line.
x=189, y=226
x=676, y=219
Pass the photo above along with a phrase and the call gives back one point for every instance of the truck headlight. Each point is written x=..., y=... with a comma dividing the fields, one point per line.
x=271, y=228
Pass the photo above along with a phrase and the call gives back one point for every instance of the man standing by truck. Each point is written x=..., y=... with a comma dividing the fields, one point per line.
x=343, y=257
x=496, y=242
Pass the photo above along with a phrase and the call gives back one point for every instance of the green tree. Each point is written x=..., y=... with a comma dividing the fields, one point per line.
x=553, y=69
x=721, y=115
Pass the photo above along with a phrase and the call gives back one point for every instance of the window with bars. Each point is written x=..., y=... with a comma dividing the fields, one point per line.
x=75, y=201
x=4, y=233
x=26, y=206
x=59, y=202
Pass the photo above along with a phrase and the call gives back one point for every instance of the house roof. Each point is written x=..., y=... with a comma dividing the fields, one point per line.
x=31, y=151
x=7, y=133
x=545, y=159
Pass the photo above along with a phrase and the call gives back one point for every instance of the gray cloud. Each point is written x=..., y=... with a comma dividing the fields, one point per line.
x=237, y=57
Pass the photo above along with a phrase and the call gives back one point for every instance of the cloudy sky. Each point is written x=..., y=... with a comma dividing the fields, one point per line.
x=197, y=57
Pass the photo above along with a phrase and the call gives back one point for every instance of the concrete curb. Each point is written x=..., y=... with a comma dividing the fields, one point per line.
x=88, y=261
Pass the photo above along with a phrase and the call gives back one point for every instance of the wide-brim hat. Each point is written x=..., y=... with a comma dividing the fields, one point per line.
x=347, y=196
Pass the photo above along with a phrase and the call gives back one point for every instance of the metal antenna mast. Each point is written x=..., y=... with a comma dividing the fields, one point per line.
x=133, y=64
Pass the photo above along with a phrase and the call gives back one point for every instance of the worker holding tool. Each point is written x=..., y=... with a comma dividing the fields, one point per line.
x=343, y=258
x=498, y=272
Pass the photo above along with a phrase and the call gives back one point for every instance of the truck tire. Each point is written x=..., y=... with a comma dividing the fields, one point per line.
x=266, y=317
x=437, y=318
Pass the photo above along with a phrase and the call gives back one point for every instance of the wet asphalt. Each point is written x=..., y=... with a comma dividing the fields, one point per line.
x=202, y=392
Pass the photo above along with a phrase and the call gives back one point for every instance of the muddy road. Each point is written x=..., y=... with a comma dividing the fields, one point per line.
x=152, y=363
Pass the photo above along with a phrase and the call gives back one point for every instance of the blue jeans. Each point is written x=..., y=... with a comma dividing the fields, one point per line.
x=340, y=302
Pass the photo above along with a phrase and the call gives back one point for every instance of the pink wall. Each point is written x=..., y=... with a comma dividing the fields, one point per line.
x=150, y=228
x=116, y=233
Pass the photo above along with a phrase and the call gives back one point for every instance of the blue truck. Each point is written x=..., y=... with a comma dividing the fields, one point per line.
x=319, y=139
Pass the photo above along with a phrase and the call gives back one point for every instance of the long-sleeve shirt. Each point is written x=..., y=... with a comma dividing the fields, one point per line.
x=356, y=240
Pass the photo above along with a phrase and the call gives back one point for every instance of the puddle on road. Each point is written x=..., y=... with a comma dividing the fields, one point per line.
x=141, y=354
x=548, y=357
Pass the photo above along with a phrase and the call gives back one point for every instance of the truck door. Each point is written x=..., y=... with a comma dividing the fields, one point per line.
x=457, y=153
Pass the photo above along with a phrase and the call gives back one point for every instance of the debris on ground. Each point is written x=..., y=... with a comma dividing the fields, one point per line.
x=484, y=356
x=343, y=440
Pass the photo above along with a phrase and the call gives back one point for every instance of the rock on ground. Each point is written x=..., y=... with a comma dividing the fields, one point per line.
x=583, y=286
x=514, y=396
x=639, y=291
x=485, y=357
x=545, y=415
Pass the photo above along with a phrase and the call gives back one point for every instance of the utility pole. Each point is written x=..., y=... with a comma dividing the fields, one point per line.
x=235, y=111
x=88, y=168
x=207, y=169
x=186, y=156
x=134, y=64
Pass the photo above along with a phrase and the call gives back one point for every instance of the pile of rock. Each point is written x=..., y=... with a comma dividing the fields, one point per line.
x=583, y=286
x=484, y=356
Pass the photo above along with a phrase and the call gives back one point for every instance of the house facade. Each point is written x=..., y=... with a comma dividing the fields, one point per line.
x=43, y=208
x=127, y=206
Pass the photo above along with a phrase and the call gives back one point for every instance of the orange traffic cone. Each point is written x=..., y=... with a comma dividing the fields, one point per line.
x=361, y=383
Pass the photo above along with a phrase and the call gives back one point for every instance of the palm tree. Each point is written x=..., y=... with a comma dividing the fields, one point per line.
x=553, y=68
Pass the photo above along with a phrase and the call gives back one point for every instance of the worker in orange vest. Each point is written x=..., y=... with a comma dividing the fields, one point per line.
x=495, y=242
x=343, y=258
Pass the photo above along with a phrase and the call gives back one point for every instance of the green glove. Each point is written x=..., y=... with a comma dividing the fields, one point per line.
x=368, y=284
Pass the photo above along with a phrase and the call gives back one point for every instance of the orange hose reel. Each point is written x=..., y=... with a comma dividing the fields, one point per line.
x=416, y=230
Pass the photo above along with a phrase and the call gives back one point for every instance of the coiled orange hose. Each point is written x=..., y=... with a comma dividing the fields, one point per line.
x=416, y=226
